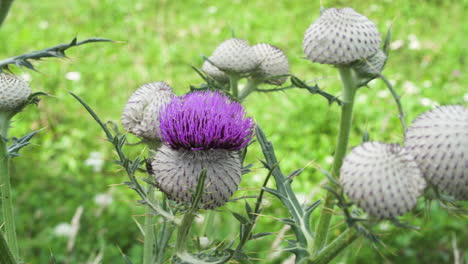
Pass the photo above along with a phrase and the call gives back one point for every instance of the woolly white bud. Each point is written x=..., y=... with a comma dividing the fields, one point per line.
x=382, y=179
x=273, y=63
x=341, y=36
x=14, y=91
x=214, y=72
x=372, y=65
x=438, y=139
x=235, y=55
x=176, y=173
x=140, y=115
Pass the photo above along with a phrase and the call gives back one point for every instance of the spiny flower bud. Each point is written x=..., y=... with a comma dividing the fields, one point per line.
x=438, y=139
x=177, y=172
x=140, y=115
x=372, y=66
x=236, y=56
x=273, y=63
x=382, y=179
x=14, y=91
x=341, y=36
x=214, y=72
x=201, y=130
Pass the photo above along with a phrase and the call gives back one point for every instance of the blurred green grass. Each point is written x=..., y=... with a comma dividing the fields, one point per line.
x=161, y=40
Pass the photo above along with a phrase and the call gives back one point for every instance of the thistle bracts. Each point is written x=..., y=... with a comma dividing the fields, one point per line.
x=383, y=179
x=140, y=115
x=14, y=92
x=201, y=130
x=273, y=64
x=235, y=56
x=438, y=140
x=340, y=37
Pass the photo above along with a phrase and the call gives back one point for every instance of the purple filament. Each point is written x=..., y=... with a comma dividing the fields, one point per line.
x=205, y=120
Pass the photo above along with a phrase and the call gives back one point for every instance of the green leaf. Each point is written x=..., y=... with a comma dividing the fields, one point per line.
x=57, y=51
x=259, y=235
x=241, y=218
x=6, y=257
x=125, y=257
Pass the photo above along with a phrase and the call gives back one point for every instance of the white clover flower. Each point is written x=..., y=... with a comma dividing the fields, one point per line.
x=204, y=241
x=340, y=37
x=63, y=230
x=410, y=88
x=383, y=179
x=414, y=43
x=236, y=56
x=438, y=140
x=273, y=62
x=14, y=92
x=73, y=76
x=141, y=114
x=397, y=44
x=103, y=199
x=95, y=160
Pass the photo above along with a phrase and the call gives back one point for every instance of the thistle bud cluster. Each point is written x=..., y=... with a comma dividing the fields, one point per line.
x=263, y=62
x=386, y=179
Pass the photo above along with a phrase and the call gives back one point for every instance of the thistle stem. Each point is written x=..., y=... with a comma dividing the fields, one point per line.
x=5, y=254
x=334, y=248
x=5, y=188
x=396, y=97
x=349, y=90
x=4, y=8
x=249, y=88
x=149, y=243
x=233, y=84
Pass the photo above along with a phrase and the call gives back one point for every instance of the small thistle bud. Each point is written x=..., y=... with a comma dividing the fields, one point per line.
x=214, y=72
x=273, y=63
x=372, y=66
x=236, y=56
x=14, y=92
x=201, y=130
x=340, y=37
x=382, y=179
x=177, y=171
x=140, y=115
x=438, y=140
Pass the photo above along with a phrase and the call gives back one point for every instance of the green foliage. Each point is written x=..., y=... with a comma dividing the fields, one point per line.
x=51, y=179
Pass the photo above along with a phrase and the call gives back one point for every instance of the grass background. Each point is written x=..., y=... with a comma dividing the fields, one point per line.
x=161, y=40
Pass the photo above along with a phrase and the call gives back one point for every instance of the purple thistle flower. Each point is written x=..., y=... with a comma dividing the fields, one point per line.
x=205, y=120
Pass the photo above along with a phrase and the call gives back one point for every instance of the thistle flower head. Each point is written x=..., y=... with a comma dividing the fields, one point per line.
x=273, y=62
x=140, y=115
x=214, y=72
x=236, y=56
x=176, y=173
x=205, y=120
x=341, y=36
x=382, y=179
x=14, y=91
x=438, y=139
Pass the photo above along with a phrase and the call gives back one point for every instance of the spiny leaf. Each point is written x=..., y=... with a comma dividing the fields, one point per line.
x=241, y=218
x=19, y=143
x=259, y=235
x=57, y=51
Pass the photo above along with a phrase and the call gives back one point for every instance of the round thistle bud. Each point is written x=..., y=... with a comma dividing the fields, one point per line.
x=14, y=92
x=236, y=56
x=176, y=173
x=273, y=62
x=382, y=179
x=214, y=72
x=140, y=115
x=201, y=130
x=371, y=66
x=438, y=140
x=341, y=36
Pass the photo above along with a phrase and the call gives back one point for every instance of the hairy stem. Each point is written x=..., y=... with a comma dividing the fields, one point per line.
x=7, y=201
x=5, y=254
x=233, y=84
x=149, y=243
x=396, y=97
x=349, y=89
x=4, y=8
x=250, y=87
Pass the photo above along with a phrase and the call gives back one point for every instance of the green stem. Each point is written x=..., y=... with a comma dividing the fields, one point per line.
x=396, y=97
x=5, y=254
x=334, y=248
x=5, y=188
x=250, y=87
x=149, y=243
x=233, y=84
x=349, y=90
x=4, y=8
